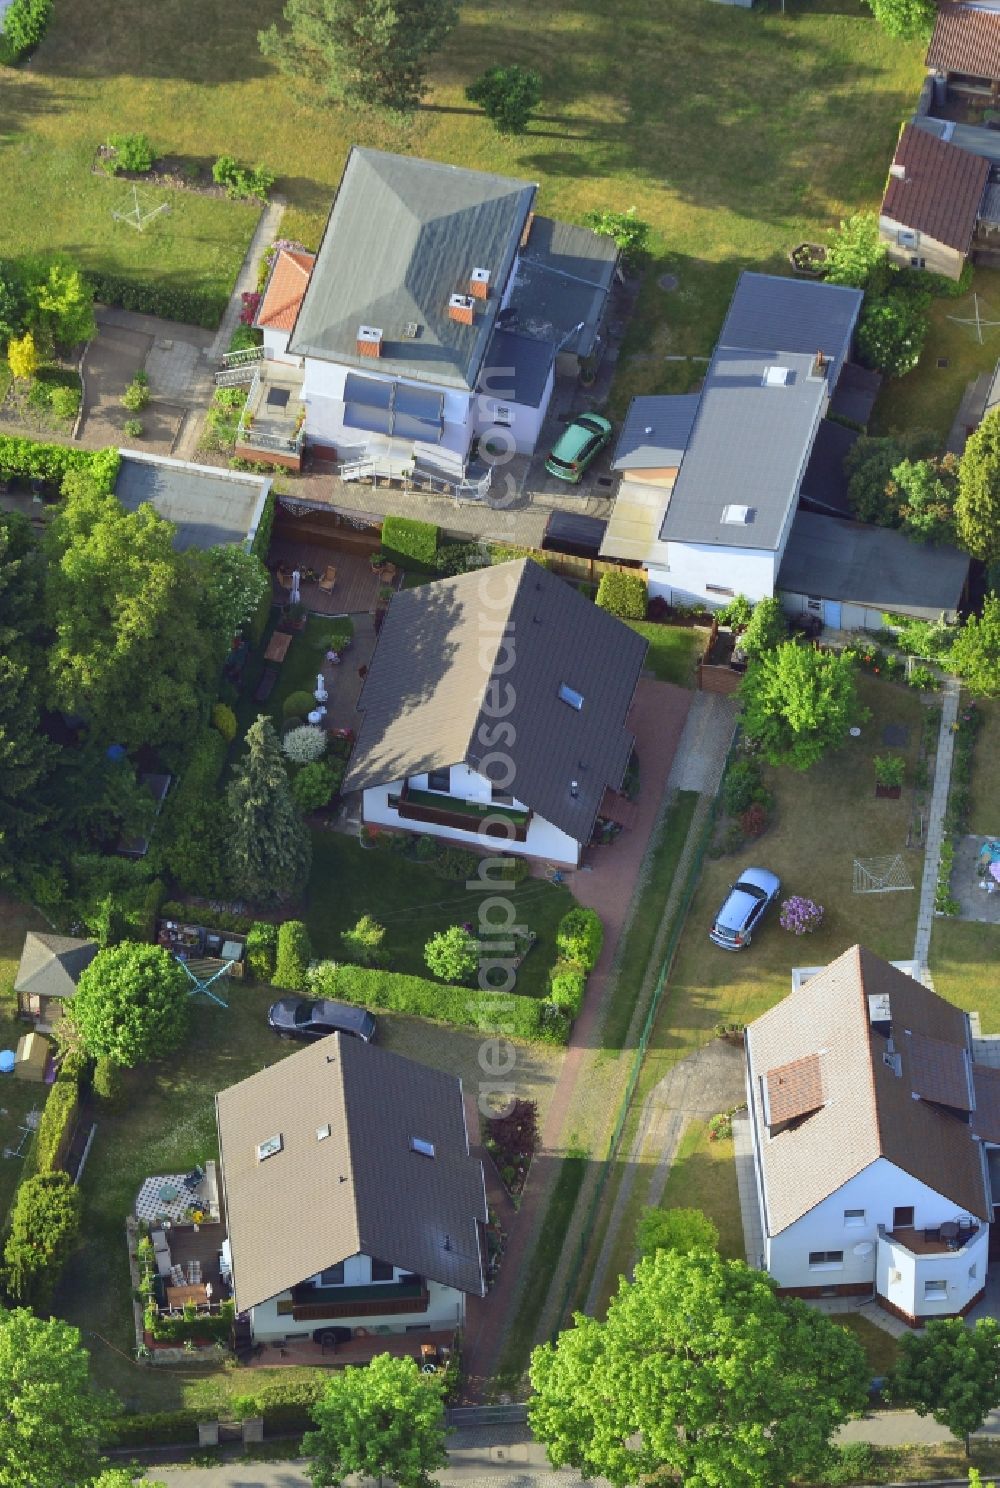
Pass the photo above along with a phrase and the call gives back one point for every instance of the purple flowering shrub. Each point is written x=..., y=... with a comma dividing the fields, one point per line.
x=800, y=915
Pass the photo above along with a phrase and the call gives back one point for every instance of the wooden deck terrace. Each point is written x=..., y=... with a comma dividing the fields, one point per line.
x=358, y=1351
x=355, y=591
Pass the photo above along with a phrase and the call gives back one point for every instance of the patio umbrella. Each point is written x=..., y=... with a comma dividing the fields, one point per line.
x=296, y=597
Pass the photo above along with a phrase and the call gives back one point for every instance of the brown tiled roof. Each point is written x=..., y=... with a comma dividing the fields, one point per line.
x=793, y=1090
x=966, y=40
x=285, y=288
x=940, y=1071
x=986, y=1116
x=869, y=1111
x=361, y=1189
x=942, y=189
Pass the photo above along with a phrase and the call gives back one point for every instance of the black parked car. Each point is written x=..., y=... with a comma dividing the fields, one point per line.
x=303, y=1018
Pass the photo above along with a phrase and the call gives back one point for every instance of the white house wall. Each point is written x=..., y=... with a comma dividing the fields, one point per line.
x=445, y=1309
x=938, y=258
x=902, y=1276
x=696, y=573
x=543, y=840
x=276, y=347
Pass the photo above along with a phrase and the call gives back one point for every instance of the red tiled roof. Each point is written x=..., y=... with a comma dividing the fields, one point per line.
x=966, y=40
x=941, y=191
x=285, y=288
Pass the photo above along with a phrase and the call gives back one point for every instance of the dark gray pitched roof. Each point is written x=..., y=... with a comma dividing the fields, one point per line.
x=208, y=506
x=403, y=235
x=824, y=484
x=51, y=964
x=752, y=435
x=655, y=433
x=564, y=274
x=517, y=368
x=440, y=659
x=362, y=1189
x=834, y=559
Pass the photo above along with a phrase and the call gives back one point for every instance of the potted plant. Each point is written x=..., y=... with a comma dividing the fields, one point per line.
x=889, y=772
x=294, y=617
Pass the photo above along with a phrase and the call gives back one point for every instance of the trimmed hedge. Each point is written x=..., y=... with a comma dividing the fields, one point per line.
x=194, y=828
x=154, y=1427
x=409, y=543
x=56, y=1123
x=262, y=537
x=294, y=955
x=23, y=27
x=50, y=462
x=622, y=594
x=215, y=1327
x=463, y=1007
x=189, y=306
x=580, y=936
x=262, y=942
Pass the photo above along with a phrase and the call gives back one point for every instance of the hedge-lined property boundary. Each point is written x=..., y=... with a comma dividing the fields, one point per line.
x=463, y=1007
x=198, y=307
x=33, y=460
x=409, y=542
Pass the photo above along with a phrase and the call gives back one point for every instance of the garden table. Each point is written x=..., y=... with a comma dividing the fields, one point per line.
x=178, y=1295
x=277, y=646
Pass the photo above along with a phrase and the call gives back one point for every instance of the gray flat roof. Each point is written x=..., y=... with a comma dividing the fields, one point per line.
x=759, y=410
x=517, y=368
x=655, y=433
x=207, y=506
x=402, y=236
x=563, y=277
x=830, y=558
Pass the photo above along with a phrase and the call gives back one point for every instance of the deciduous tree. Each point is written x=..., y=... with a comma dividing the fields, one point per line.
x=128, y=652
x=977, y=506
x=51, y=1416
x=906, y=19
x=361, y=51
x=235, y=583
x=383, y=1421
x=892, y=330
x=363, y=944
x=131, y=1003
x=26, y=757
x=950, y=1372
x=508, y=96
x=975, y=650
x=700, y=1373
x=766, y=628
x=799, y=702
x=856, y=255
x=452, y=954
x=22, y=357
x=926, y=492
x=270, y=850
x=682, y=1230
x=60, y=304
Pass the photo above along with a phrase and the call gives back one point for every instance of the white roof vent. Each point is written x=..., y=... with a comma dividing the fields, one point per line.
x=776, y=376
x=898, y=170
x=737, y=516
x=269, y=1147
x=322, y=1132
x=421, y=1145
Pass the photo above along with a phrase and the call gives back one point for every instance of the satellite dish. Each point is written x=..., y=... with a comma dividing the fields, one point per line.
x=864, y=1249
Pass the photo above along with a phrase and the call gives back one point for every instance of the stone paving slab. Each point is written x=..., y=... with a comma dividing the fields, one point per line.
x=969, y=888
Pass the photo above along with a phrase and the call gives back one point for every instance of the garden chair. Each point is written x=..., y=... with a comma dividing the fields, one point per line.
x=177, y=1277
x=328, y=580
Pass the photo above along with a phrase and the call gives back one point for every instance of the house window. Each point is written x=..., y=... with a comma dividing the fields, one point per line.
x=268, y=1148
x=502, y=416
x=907, y=238
x=382, y=1271
x=720, y=589
x=935, y=1289
x=332, y=1276
x=972, y=1273
x=918, y=263
x=854, y=1217
x=439, y=780
x=815, y=606
x=826, y=1258
x=902, y=1217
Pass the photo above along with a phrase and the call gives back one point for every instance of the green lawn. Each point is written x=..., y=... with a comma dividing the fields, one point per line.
x=703, y=1176
x=984, y=803
x=736, y=133
x=963, y=959
x=409, y=899
x=928, y=397
x=881, y=1349
x=673, y=650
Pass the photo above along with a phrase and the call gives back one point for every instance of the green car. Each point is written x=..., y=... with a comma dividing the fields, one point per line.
x=577, y=445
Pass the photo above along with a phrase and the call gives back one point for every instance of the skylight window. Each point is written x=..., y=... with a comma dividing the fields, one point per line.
x=269, y=1147
x=737, y=516
x=421, y=1145
x=776, y=376
x=570, y=695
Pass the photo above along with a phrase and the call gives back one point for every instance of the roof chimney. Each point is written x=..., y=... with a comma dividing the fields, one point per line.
x=462, y=308
x=898, y=170
x=819, y=366
x=479, y=284
x=369, y=343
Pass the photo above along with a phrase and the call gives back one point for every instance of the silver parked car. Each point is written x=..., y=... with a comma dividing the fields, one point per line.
x=744, y=907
